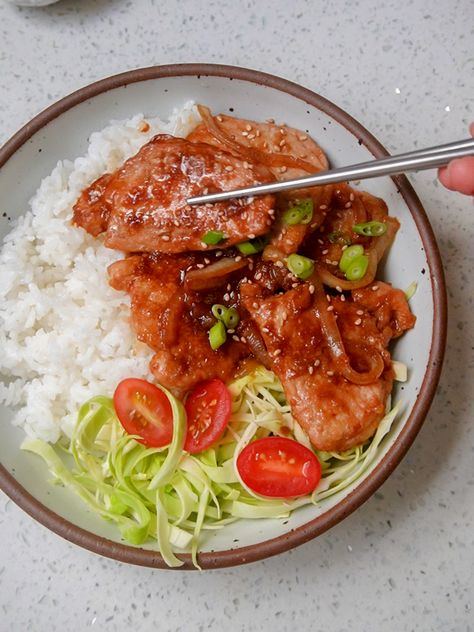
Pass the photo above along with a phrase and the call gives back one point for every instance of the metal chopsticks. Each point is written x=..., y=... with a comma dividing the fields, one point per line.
x=392, y=165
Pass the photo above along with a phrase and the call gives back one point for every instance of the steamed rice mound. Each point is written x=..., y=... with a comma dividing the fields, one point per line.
x=65, y=334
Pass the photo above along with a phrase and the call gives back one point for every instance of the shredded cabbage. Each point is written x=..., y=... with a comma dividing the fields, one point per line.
x=167, y=495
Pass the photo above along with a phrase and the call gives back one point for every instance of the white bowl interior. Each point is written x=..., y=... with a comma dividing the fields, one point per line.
x=66, y=137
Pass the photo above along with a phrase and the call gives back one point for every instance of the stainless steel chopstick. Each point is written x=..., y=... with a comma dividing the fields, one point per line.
x=392, y=165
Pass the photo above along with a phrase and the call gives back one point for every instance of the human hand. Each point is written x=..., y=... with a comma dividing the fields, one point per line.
x=459, y=174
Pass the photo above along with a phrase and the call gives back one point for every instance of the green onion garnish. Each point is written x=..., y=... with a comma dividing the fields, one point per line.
x=336, y=236
x=349, y=255
x=300, y=266
x=300, y=212
x=370, y=229
x=231, y=318
x=253, y=246
x=213, y=237
x=217, y=335
x=218, y=311
x=357, y=268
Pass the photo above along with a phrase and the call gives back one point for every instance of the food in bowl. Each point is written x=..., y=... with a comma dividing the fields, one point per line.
x=239, y=367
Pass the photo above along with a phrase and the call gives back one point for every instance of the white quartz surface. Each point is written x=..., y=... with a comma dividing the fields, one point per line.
x=405, y=560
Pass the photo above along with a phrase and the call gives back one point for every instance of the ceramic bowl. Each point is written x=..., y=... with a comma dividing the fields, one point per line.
x=62, y=131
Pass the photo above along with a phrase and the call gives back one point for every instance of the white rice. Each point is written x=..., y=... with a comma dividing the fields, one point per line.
x=65, y=334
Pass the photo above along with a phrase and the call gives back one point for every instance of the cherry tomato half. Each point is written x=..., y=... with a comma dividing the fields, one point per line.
x=144, y=410
x=279, y=467
x=208, y=409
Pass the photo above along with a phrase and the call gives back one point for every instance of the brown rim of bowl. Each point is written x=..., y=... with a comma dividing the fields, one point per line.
x=368, y=486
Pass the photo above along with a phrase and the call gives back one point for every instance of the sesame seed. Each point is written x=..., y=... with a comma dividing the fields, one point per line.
x=265, y=330
x=320, y=241
x=204, y=246
x=360, y=312
x=231, y=331
x=265, y=144
x=229, y=168
x=258, y=276
x=279, y=264
x=311, y=289
x=243, y=339
x=236, y=338
x=277, y=148
x=200, y=266
x=245, y=133
x=338, y=288
x=237, y=259
x=251, y=136
x=348, y=205
x=328, y=298
x=344, y=247
x=311, y=370
x=251, y=236
x=219, y=253
x=283, y=169
x=343, y=298
x=206, y=260
x=330, y=308
x=244, y=280
x=251, y=265
x=325, y=252
x=330, y=373
x=257, y=133
x=219, y=118
x=226, y=297
x=375, y=288
x=277, y=352
x=165, y=237
x=294, y=285
x=282, y=142
x=255, y=305
x=317, y=362
x=351, y=197
x=358, y=321
x=282, y=131
x=246, y=165
x=248, y=127
x=323, y=206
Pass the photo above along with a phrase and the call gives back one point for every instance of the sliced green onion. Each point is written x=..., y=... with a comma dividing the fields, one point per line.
x=370, y=229
x=300, y=212
x=218, y=311
x=231, y=318
x=217, y=335
x=213, y=237
x=349, y=255
x=252, y=246
x=300, y=266
x=338, y=237
x=357, y=268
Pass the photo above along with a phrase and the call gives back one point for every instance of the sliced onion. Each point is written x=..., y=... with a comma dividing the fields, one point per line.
x=212, y=275
x=171, y=320
x=334, y=341
x=255, y=342
x=252, y=154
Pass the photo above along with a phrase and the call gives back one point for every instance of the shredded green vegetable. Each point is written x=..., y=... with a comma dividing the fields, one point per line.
x=167, y=495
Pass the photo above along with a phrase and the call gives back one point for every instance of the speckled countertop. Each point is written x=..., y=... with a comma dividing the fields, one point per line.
x=405, y=560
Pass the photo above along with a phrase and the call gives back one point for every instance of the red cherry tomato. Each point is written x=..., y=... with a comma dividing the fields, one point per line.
x=279, y=467
x=144, y=410
x=208, y=410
